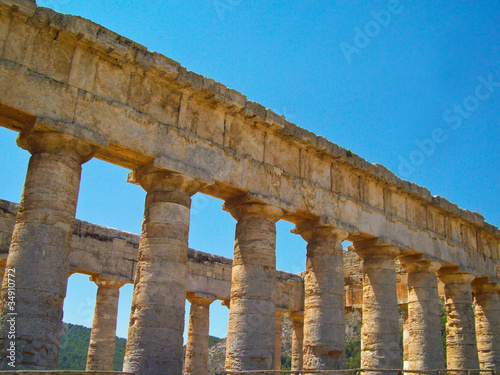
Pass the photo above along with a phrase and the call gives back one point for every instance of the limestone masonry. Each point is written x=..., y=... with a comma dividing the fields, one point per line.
x=74, y=90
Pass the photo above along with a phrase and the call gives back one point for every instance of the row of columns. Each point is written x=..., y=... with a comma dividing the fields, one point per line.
x=422, y=340
x=39, y=254
x=466, y=330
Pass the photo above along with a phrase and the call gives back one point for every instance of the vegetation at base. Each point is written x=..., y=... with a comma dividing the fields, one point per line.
x=353, y=355
x=74, y=345
x=75, y=342
x=286, y=362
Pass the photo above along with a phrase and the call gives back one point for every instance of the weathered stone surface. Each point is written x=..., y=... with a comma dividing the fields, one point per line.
x=252, y=316
x=196, y=362
x=40, y=246
x=487, y=312
x=154, y=344
x=461, y=346
x=143, y=109
x=277, y=341
x=144, y=104
x=379, y=330
x=112, y=253
x=424, y=347
x=101, y=352
x=324, y=321
x=297, y=341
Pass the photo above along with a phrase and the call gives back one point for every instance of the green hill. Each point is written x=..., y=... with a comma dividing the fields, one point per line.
x=75, y=343
x=74, y=346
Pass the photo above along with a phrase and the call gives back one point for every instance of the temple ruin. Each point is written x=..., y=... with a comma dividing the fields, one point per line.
x=74, y=90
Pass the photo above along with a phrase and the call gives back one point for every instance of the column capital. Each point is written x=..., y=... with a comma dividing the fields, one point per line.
x=377, y=246
x=484, y=285
x=226, y=302
x=246, y=206
x=198, y=298
x=153, y=178
x=419, y=263
x=297, y=316
x=53, y=142
x=314, y=230
x=106, y=282
x=280, y=311
x=403, y=306
x=455, y=275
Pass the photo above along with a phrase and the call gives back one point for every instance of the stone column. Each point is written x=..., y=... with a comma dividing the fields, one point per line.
x=380, y=324
x=252, y=316
x=406, y=337
x=324, y=321
x=461, y=346
x=297, y=340
x=101, y=352
x=425, y=351
x=198, y=328
x=277, y=341
x=487, y=303
x=39, y=251
x=154, y=344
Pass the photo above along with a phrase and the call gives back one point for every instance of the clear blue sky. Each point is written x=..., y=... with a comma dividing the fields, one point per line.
x=385, y=79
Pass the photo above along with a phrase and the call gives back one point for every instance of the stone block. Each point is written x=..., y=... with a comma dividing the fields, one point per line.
x=395, y=203
x=243, y=139
x=282, y=155
x=469, y=237
x=111, y=81
x=83, y=69
x=36, y=94
x=38, y=51
x=436, y=221
x=345, y=182
x=196, y=118
x=152, y=97
x=373, y=193
x=25, y=7
x=416, y=213
x=315, y=169
x=5, y=22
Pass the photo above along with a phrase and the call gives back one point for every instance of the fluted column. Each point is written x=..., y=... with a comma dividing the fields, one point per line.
x=101, y=351
x=277, y=341
x=425, y=350
x=39, y=251
x=380, y=324
x=297, y=340
x=487, y=311
x=154, y=344
x=461, y=346
x=324, y=321
x=252, y=316
x=196, y=362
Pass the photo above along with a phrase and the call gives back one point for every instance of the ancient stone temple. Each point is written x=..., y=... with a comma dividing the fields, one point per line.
x=74, y=90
